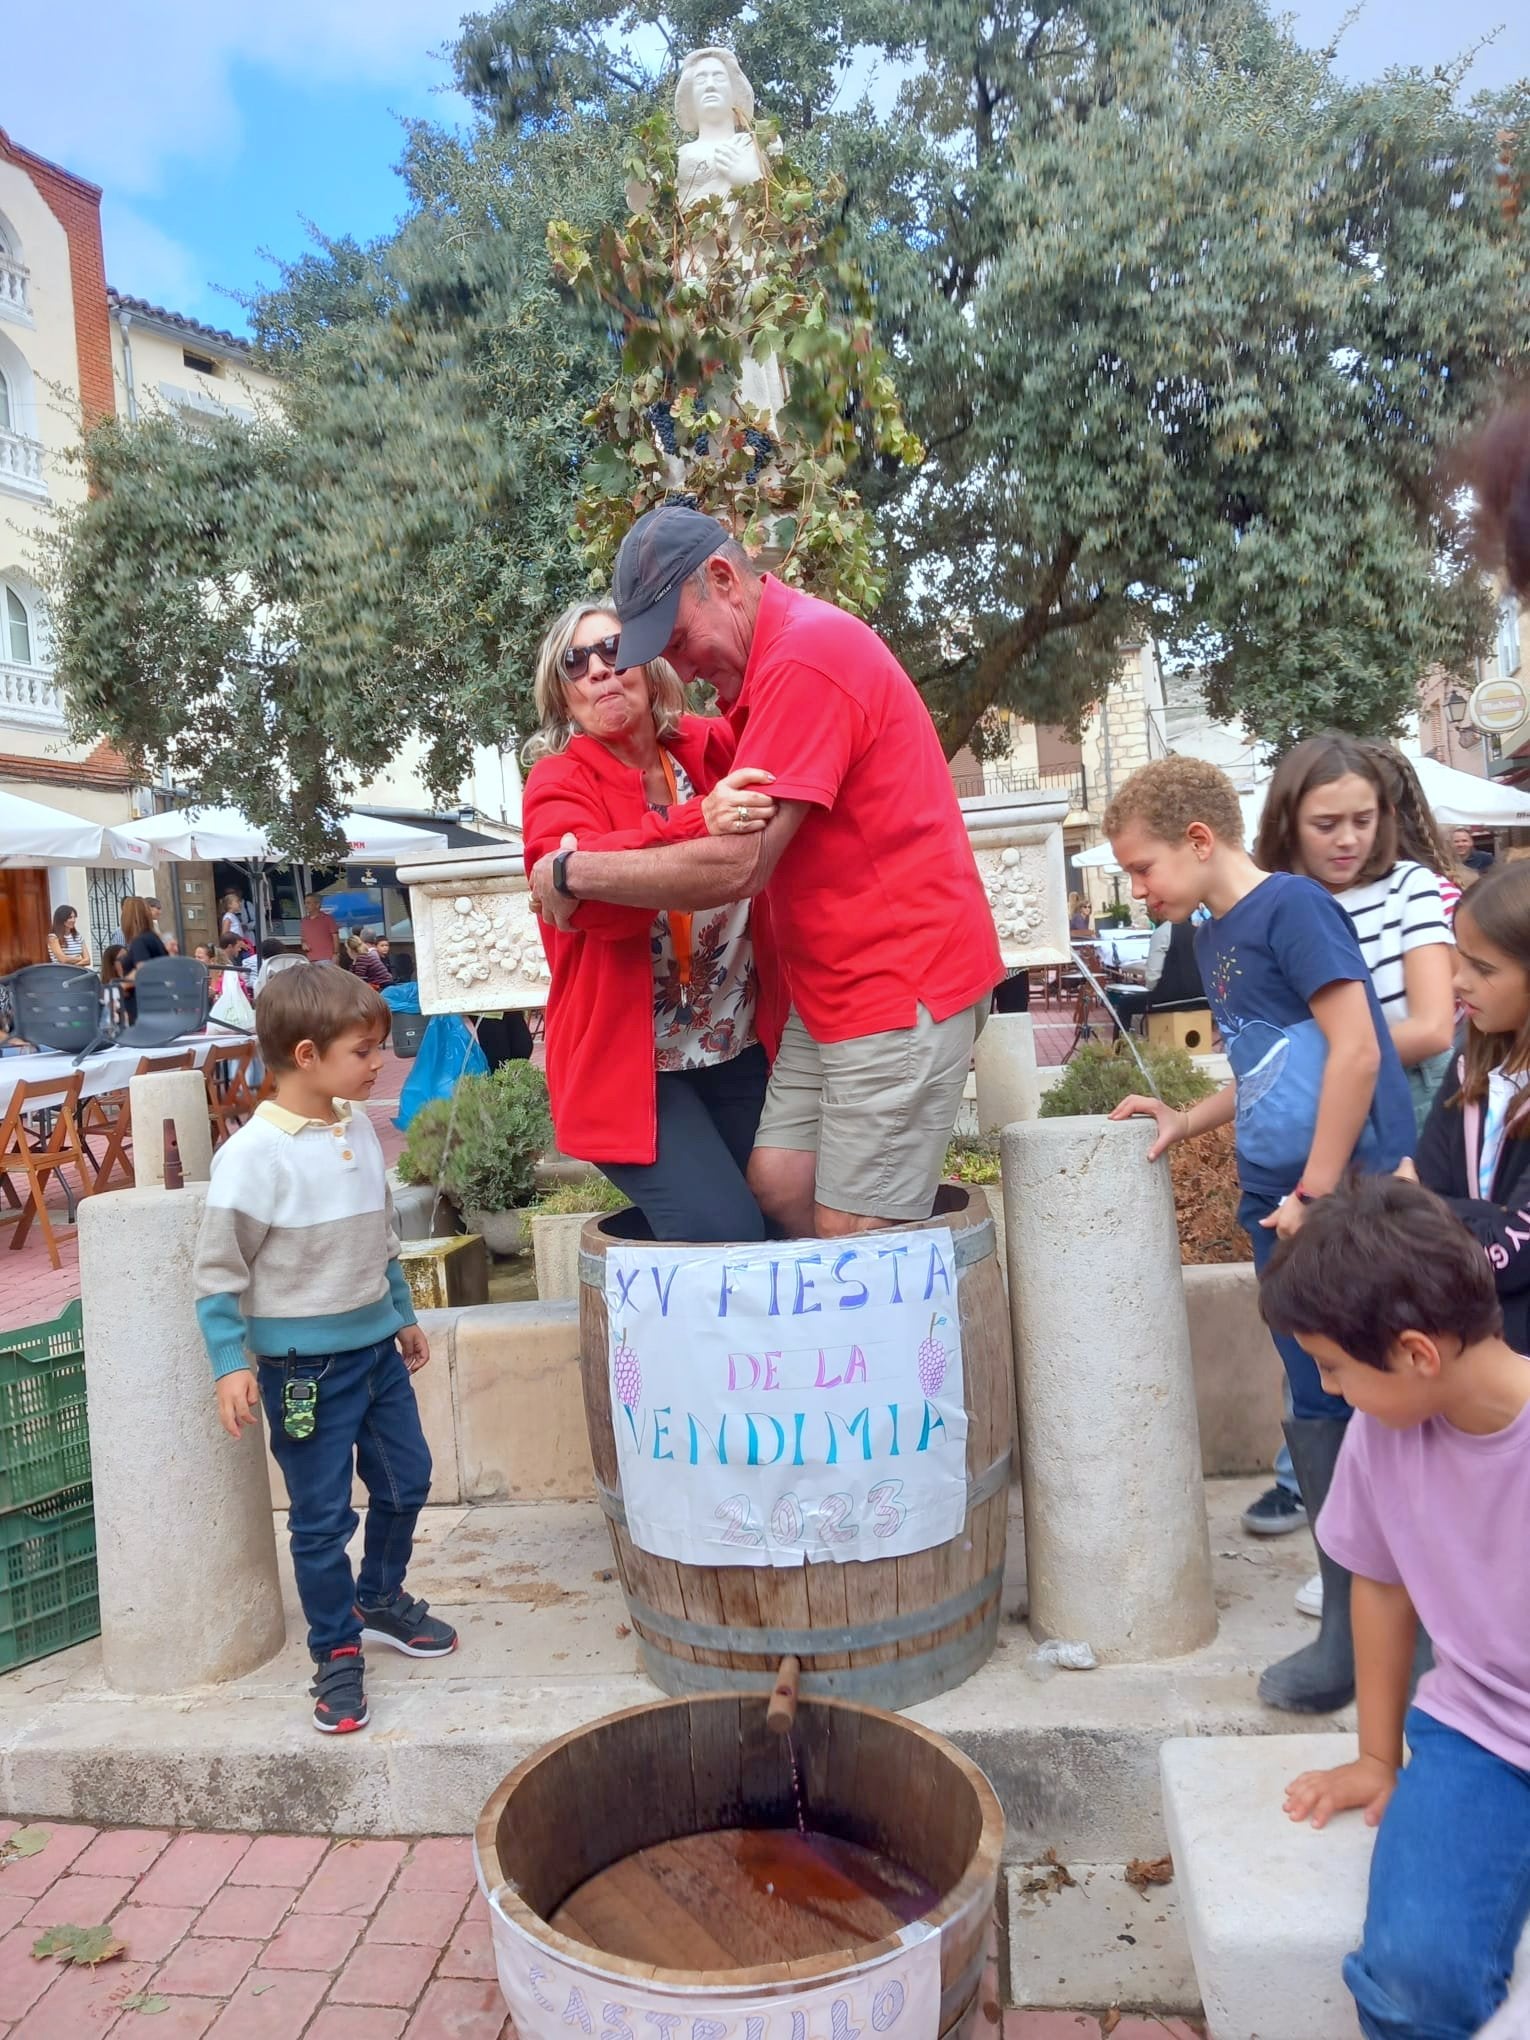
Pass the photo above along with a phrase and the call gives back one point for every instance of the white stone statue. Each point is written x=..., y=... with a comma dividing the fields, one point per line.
x=715, y=102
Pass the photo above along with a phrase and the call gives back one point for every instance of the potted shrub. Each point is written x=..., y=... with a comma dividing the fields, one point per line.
x=1204, y=1170
x=481, y=1147
x=558, y=1219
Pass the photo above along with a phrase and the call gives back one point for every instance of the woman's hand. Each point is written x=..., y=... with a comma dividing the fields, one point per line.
x=1173, y=1125
x=1318, y=1795
x=735, y=807
x=1405, y=1171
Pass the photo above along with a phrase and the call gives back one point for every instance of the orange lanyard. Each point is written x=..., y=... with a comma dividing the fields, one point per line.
x=679, y=924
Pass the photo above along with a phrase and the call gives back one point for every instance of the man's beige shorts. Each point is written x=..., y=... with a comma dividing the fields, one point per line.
x=879, y=1111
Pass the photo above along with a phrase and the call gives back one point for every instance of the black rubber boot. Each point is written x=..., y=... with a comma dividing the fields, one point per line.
x=1320, y=1677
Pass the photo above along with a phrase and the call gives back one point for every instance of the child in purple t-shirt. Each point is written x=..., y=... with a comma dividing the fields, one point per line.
x=1430, y=1511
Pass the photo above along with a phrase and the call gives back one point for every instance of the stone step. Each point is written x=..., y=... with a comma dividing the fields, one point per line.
x=1271, y=1908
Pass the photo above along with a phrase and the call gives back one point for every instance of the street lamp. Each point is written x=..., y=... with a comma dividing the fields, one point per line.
x=1455, y=707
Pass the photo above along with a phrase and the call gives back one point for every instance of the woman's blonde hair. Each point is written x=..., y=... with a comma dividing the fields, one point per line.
x=666, y=694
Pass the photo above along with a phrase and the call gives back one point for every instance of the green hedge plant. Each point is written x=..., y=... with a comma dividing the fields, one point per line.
x=482, y=1145
x=1102, y=1073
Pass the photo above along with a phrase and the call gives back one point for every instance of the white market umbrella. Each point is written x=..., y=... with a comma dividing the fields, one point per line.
x=209, y=835
x=32, y=833
x=1099, y=857
x=1463, y=801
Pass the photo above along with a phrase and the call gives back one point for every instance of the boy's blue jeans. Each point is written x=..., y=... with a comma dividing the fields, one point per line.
x=369, y=1421
x=1449, y=1894
x=1308, y=1398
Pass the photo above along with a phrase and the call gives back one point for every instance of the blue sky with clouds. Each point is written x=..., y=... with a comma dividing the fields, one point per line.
x=216, y=132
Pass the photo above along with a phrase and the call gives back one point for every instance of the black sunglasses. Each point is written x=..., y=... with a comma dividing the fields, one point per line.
x=576, y=660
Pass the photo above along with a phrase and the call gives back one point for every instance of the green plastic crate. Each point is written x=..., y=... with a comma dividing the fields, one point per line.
x=48, y=1593
x=44, y=1428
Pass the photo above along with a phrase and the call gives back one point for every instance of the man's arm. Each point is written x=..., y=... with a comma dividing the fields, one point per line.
x=711, y=872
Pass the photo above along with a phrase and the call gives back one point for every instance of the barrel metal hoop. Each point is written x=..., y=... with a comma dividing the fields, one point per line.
x=979, y=1490
x=905, y=1682
x=972, y=1243
x=827, y=1642
x=957, y=1994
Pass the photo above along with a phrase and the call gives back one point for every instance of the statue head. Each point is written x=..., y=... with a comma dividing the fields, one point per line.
x=710, y=80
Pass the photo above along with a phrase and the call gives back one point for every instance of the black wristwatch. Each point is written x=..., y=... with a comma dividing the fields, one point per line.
x=560, y=873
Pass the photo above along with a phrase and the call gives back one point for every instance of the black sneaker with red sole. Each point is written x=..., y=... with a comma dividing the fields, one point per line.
x=339, y=1691
x=407, y=1624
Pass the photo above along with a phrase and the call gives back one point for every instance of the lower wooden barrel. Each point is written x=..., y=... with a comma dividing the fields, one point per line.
x=888, y=1631
x=599, y=1795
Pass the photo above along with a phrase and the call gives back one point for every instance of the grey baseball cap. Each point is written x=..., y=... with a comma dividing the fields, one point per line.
x=656, y=555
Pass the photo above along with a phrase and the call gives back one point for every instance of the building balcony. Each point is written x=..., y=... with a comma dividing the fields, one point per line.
x=13, y=289
x=30, y=697
x=21, y=464
x=1001, y=778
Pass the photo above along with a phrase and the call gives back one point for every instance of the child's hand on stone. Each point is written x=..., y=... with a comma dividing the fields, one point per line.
x=1173, y=1124
x=238, y=1400
x=1318, y=1795
x=414, y=1346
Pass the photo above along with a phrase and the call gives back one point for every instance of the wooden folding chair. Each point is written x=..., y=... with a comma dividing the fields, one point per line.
x=230, y=1101
x=37, y=1154
x=109, y=1115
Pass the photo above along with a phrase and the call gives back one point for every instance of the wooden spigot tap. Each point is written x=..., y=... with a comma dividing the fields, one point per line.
x=781, y=1713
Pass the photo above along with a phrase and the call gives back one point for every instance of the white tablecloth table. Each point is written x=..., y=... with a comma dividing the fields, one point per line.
x=111, y=1068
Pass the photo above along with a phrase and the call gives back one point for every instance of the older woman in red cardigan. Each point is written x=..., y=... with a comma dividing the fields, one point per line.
x=660, y=1026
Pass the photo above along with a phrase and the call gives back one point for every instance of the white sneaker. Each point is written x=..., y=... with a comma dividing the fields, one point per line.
x=1309, y=1598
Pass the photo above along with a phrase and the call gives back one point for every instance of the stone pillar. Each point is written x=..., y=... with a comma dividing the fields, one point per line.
x=1008, y=1082
x=181, y=1097
x=1117, y=1552
x=184, y=1537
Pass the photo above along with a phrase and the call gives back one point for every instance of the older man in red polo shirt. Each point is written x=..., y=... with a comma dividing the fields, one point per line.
x=884, y=931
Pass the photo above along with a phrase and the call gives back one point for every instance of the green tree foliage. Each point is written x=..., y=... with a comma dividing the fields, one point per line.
x=1182, y=322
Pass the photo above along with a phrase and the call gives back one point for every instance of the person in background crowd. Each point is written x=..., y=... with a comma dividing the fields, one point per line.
x=858, y=845
x=65, y=942
x=1468, y=855
x=401, y=963
x=384, y=950
x=317, y=932
x=275, y=956
x=1078, y=915
x=202, y=954
x=172, y=945
x=234, y=921
x=659, y=1025
x=236, y=955
x=366, y=964
x=140, y=924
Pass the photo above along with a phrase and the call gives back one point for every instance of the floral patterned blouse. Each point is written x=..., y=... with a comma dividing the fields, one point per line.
x=722, y=991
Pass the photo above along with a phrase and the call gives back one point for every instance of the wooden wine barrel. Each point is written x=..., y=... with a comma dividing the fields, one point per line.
x=598, y=1796
x=888, y=1631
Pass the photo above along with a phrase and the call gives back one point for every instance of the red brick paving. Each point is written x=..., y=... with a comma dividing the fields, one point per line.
x=237, y=1964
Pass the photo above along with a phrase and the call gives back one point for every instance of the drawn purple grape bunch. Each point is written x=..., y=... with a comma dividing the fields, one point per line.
x=932, y=1362
x=626, y=1374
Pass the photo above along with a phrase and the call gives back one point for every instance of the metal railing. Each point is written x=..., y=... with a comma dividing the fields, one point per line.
x=29, y=695
x=1069, y=779
x=21, y=460
x=13, y=284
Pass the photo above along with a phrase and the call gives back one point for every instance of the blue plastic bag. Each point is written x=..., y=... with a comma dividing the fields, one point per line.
x=448, y=1051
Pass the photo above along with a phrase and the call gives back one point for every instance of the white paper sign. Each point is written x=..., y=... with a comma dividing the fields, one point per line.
x=894, y=1998
x=791, y=1403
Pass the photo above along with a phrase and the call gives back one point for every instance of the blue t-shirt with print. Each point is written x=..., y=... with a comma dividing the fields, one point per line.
x=1262, y=963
